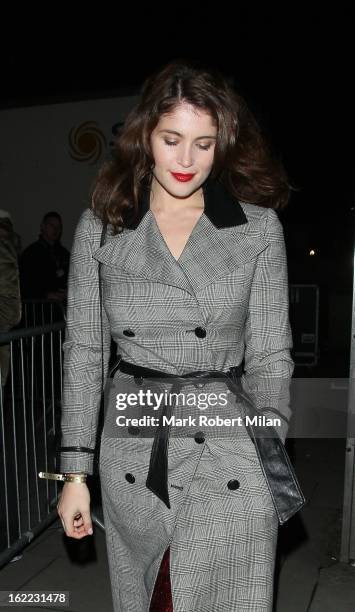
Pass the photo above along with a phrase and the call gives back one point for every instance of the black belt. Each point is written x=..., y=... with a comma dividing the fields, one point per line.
x=284, y=488
x=157, y=479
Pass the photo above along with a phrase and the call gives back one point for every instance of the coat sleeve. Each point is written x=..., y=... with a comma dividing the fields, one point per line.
x=82, y=349
x=268, y=365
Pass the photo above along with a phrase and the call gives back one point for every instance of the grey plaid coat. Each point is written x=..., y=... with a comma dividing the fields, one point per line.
x=230, y=280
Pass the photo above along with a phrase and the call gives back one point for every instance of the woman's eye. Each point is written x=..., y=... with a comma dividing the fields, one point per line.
x=173, y=143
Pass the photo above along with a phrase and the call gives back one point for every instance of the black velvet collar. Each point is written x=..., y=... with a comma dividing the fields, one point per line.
x=222, y=209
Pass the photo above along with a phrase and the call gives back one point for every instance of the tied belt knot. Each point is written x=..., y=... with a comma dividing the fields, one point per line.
x=157, y=478
x=277, y=469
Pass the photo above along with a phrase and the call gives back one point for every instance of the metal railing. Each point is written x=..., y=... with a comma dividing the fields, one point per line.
x=30, y=399
x=41, y=312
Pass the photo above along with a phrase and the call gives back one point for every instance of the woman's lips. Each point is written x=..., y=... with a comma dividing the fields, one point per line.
x=183, y=178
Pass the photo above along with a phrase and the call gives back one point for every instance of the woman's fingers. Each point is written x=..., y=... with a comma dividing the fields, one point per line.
x=76, y=525
x=80, y=526
x=74, y=510
x=78, y=521
x=87, y=524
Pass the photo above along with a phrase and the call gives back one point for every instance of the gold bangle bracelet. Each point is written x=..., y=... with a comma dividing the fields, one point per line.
x=79, y=477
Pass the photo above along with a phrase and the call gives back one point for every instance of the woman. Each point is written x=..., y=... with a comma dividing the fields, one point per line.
x=194, y=279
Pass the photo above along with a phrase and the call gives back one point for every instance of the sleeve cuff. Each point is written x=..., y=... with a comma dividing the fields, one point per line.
x=76, y=462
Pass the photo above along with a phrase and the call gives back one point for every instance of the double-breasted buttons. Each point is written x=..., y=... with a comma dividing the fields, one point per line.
x=133, y=430
x=130, y=478
x=128, y=332
x=199, y=437
x=233, y=484
x=200, y=332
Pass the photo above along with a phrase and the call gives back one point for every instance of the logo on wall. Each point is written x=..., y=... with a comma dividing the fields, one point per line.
x=86, y=142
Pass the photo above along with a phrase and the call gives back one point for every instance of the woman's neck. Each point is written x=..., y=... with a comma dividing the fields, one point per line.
x=162, y=202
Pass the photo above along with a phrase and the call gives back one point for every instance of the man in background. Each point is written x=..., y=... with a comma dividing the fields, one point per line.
x=44, y=264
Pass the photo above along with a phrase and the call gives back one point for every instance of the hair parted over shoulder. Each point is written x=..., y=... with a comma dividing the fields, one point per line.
x=242, y=160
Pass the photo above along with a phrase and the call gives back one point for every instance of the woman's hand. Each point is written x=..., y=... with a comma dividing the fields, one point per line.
x=74, y=510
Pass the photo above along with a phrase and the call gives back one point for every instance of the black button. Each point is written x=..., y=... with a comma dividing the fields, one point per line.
x=139, y=380
x=233, y=484
x=200, y=332
x=133, y=430
x=199, y=437
x=129, y=332
x=130, y=478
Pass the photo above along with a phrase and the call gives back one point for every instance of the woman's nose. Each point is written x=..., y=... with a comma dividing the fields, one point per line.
x=185, y=156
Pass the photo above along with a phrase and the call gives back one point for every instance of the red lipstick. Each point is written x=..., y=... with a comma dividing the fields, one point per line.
x=183, y=178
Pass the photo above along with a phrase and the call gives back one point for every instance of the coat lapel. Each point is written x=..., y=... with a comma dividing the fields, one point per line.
x=219, y=242
x=142, y=252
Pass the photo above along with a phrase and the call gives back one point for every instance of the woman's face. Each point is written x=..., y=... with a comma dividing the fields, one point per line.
x=183, y=144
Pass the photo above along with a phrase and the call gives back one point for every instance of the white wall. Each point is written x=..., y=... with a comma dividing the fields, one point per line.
x=38, y=172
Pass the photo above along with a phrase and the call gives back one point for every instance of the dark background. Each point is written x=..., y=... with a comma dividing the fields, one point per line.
x=295, y=67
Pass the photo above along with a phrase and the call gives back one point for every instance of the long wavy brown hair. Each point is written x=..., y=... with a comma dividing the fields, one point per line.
x=243, y=161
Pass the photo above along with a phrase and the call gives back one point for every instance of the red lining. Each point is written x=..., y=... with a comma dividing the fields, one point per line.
x=161, y=599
